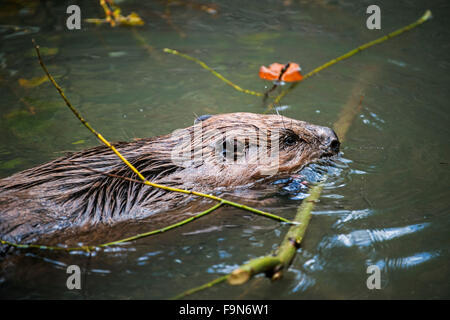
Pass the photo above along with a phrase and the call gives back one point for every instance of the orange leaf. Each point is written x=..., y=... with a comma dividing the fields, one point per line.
x=291, y=74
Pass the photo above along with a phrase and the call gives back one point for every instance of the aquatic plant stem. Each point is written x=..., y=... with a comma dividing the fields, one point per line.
x=218, y=75
x=426, y=16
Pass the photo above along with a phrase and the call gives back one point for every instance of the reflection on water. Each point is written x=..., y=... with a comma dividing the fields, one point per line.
x=365, y=238
x=302, y=281
x=222, y=268
x=385, y=199
x=406, y=262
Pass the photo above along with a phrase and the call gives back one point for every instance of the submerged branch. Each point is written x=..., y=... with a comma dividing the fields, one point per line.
x=271, y=265
x=274, y=264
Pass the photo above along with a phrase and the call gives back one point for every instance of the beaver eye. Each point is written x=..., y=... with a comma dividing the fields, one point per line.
x=291, y=139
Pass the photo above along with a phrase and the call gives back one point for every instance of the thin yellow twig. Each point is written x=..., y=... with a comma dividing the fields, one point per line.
x=218, y=75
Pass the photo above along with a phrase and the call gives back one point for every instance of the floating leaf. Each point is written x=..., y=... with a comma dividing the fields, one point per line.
x=79, y=142
x=34, y=82
x=276, y=71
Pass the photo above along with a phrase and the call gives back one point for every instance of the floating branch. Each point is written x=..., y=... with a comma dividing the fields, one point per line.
x=271, y=264
x=274, y=264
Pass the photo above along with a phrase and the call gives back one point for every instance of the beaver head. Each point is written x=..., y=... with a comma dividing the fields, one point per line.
x=239, y=148
x=217, y=152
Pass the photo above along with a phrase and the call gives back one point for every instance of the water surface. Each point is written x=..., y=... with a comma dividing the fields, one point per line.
x=387, y=198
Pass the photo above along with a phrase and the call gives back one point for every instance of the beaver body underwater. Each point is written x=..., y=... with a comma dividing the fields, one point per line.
x=219, y=152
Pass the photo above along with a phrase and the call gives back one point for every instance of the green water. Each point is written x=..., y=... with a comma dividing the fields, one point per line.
x=386, y=203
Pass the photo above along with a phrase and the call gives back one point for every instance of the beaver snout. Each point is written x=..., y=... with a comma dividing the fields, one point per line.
x=329, y=141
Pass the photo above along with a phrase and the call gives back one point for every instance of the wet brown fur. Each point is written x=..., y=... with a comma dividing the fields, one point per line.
x=63, y=193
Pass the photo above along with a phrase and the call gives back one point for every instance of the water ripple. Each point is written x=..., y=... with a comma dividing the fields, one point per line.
x=142, y=260
x=52, y=261
x=336, y=171
x=406, y=262
x=353, y=215
x=366, y=238
x=302, y=281
x=222, y=268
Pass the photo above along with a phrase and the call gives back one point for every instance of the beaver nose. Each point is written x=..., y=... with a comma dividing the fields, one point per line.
x=329, y=139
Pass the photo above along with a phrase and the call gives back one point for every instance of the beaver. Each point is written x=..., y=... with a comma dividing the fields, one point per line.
x=219, y=152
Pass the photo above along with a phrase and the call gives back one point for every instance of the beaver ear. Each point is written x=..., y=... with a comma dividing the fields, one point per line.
x=202, y=118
